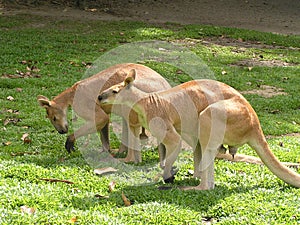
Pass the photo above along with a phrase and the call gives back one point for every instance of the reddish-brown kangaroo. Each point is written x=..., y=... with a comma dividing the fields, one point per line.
x=204, y=113
x=82, y=98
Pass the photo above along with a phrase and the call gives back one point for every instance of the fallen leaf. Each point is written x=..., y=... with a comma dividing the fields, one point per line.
x=14, y=111
x=19, y=72
x=111, y=186
x=126, y=200
x=25, y=138
x=224, y=72
x=28, y=210
x=7, y=143
x=73, y=219
x=5, y=122
x=87, y=64
x=27, y=141
x=10, y=98
x=101, y=171
x=179, y=72
x=11, y=120
x=19, y=89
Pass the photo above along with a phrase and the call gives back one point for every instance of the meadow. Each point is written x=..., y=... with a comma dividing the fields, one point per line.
x=45, y=56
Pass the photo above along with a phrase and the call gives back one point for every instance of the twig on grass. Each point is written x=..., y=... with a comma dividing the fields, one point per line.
x=57, y=180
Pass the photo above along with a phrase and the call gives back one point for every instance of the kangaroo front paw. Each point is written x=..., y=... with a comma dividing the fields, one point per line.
x=170, y=180
x=143, y=136
x=70, y=144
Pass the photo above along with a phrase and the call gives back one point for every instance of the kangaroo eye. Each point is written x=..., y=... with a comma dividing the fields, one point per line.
x=54, y=118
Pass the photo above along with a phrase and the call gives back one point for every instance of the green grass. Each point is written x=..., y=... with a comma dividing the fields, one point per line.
x=245, y=194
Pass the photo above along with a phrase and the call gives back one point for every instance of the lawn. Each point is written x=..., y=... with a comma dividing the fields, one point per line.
x=45, y=56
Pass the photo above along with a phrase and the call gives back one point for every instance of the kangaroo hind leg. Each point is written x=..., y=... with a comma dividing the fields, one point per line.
x=172, y=143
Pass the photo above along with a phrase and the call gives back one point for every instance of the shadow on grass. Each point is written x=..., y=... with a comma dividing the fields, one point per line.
x=198, y=201
x=194, y=200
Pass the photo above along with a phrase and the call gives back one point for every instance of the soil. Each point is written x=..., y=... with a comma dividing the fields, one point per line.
x=266, y=91
x=277, y=16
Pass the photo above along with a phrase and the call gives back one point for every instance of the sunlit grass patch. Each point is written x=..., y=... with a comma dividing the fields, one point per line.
x=63, y=188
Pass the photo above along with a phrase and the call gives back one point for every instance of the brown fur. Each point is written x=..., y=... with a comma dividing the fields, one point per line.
x=82, y=98
x=206, y=114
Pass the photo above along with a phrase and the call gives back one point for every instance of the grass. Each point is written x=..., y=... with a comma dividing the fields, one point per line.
x=245, y=194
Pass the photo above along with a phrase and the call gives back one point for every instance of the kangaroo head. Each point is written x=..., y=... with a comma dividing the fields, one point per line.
x=109, y=96
x=55, y=113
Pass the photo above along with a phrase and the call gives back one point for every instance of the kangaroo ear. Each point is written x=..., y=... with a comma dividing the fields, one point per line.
x=43, y=101
x=130, y=77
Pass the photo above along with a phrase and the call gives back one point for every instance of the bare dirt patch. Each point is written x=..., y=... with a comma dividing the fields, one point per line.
x=284, y=135
x=266, y=91
x=268, y=63
x=275, y=16
x=240, y=43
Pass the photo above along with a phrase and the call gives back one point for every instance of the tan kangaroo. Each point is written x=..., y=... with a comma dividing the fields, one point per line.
x=204, y=113
x=82, y=98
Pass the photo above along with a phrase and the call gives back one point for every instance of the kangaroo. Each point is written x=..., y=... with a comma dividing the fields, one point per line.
x=82, y=97
x=204, y=113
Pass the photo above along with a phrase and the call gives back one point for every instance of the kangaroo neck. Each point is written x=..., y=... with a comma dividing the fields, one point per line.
x=65, y=99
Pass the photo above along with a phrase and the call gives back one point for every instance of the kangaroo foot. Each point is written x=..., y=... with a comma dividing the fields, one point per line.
x=170, y=180
x=222, y=149
x=69, y=145
x=174, y=170
x=143, y=136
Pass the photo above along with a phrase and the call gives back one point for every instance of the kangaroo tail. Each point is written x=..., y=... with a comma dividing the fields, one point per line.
x=260, y=145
